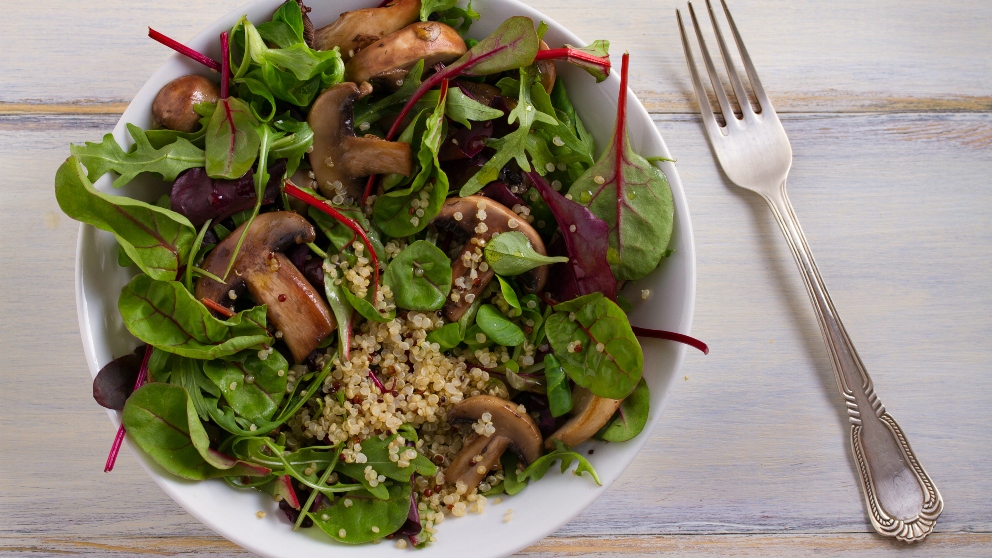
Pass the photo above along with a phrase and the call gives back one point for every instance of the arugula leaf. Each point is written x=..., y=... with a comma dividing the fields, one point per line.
x=259, y=385
x=566, y=146
x=511, y=253
x=460, y=19
x=167, y=161
x=165, y=314
x=630, y=418
x=157, y=240
x=539, y=468
x=497, y=327
x=460, y=107
x=559, y=395
x=632, y=196
x=232, y=140
x=607, y=360
x=518, y=143
x=352, y=522
x=161, y=420
x=420, y=277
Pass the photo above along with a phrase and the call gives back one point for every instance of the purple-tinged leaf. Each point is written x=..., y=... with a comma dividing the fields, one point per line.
x=116, y=381
x=198, y=197
x=594, y=58
x=500, y=192
x=671, y=336
x=585, y=237
x=232, y=141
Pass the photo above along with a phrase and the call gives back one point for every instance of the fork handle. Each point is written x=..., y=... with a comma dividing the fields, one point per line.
x=901, y=498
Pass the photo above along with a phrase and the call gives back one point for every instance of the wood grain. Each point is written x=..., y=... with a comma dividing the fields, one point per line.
x=889, y=109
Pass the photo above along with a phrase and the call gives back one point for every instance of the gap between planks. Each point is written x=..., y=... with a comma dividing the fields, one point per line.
x=836, y=544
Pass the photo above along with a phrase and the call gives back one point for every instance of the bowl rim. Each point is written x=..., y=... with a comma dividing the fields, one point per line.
x=683, y=228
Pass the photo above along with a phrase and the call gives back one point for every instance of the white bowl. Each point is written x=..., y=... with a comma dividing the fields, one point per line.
x=544, y=506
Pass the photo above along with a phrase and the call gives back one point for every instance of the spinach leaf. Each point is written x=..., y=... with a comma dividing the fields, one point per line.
x=165, y=314
x=157, y=240
x=259, y=385
x=511, y=253
x=559, y=394
x=376, y=452
x=497, y=327
x=632, y=196
x=518, y=143
x=476, y=339
x=539, y=468
x=630, y=418
x=167, y=161
x=232, y=140
x=161, y=420
x=592, y=339
x=420, y=277
x=351, y=519
x=447, y=336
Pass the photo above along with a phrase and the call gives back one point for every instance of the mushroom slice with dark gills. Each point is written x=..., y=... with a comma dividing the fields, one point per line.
x=480, y=218
x=355, y=30
x=391, y=58
x=294, y=307
x=339, y=159
x=507, y=427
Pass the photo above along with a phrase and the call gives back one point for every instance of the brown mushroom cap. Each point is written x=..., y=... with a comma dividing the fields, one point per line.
x=515, y=430
x=173, y=106
x=391, y=57
x=463, y=214
x=293, y=306
x=339, y=159
x=355, y=30
x=546, y=69
x=589, y=414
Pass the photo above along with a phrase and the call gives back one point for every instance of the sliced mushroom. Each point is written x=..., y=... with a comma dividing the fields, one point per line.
x=546, y=69
x=173, y=106
x=355, y=30
x=589, y=414
x=390, y=58
x=514, y=430
x=294, y=307
x=481, y=218
x=339, y=159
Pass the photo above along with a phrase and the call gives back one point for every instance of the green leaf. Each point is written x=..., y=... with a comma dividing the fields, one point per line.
x=420, y=277
x=511, y=253
x=459, y=18
x=427, y=7
x=232, y=142
x=365, y=307
x=634, y=199
x=342, y=309
x=157, y=240
x=369, y=113
x=363, y=511
x=447, y=336
x=512, y=483
x=259, y=385
x=376, y=452
x=540, y=467
x=294, y=146
x=461, y=108
x=509, y=295
x=161, y=420
x=512, y=45
x=167, y=161
x=342, y=237
x=559, y=394
x=165, y=314
x=630, y=418
x=286, y=27
x=497, y=327
x=593, y=321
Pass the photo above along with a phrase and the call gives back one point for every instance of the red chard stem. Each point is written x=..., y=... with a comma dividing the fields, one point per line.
x=671, y=336
x=115, y=449
x=185, y=50
x=225, y=61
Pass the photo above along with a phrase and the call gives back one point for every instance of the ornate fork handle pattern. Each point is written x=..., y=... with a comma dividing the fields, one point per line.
x=901, y=498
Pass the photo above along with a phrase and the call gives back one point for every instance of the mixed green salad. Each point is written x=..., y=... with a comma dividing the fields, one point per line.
x=383, y=284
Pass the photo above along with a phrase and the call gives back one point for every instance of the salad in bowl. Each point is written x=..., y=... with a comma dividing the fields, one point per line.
x=374, y=267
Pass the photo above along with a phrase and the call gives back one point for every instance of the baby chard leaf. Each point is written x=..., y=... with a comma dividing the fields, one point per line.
x=350, y=519
x=511, y=253
x=156, y=239
x=258, y=385
x=632, y=196
x=420, y=277
x=232, y=141
x=161, y=420
x=630, y=418
x=167, y=161
x=592, y=339
x=165, y=314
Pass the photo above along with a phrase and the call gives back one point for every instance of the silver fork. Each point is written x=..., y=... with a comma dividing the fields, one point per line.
x=755, y=154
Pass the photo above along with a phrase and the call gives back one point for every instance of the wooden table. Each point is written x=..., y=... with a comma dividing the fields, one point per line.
x=889, y=108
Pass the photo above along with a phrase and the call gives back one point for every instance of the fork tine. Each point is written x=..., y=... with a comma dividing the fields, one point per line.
x=721, y=95
x=759, y=92
x=735, y=79
x=709, y=121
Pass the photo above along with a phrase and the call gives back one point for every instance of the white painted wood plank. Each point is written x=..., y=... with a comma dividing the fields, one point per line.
x=752, y=440
x=826, y=56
